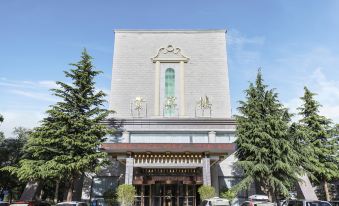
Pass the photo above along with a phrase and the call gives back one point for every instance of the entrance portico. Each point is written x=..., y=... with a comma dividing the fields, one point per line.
x=168, y=162
x=168, y=187
x=168, y=178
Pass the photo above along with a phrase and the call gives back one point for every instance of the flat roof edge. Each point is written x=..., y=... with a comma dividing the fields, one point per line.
x=170, y=30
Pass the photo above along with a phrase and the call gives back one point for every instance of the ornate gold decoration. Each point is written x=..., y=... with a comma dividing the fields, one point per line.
x=204, y=104
x=170, y=102
x=138, y=105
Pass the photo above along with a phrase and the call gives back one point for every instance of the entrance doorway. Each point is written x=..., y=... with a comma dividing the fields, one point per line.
x=161, y=194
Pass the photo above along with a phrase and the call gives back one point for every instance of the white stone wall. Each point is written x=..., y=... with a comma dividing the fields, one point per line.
x=227, y=167
x=206, y=72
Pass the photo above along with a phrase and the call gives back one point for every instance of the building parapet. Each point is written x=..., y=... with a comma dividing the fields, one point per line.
x=173, y=124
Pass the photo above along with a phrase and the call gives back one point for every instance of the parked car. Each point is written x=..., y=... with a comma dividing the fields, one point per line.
x=307, y=203
x=257, y=203
x=257, y=200
x=334, y=202
x=215, y=201
x=4, y=203
x=30, y=203
x=73, y=203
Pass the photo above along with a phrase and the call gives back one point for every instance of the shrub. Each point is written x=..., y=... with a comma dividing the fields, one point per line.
x=228, y=194
x=206, y=192
x=126, y=194
x=110, y=197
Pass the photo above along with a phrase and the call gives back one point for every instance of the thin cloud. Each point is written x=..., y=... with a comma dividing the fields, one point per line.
x=236, y=38
x=15, y=118
x=327, y=91
x=244, y=50
x=39, y=90
x=34, y=95
x=49, y=84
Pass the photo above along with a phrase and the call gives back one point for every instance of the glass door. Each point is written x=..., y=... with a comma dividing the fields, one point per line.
x=143, y=195
x=172, y=195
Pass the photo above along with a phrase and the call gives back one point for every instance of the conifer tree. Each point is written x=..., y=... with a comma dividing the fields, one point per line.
x=320, y=140
x=265, y=152
x=2, y=136
x=66, y=144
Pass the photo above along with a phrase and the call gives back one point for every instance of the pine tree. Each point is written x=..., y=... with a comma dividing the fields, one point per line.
x=11, y=151
x=2, y=136
x=265, y=152
x=321, y=142
x=66, y=144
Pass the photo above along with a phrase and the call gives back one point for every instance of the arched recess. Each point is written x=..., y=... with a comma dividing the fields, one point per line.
x=169, y=88
x=169, y=54
x=170, y=82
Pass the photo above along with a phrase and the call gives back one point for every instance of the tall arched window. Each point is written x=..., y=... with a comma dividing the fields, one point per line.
x=169, y=82
x=169, y=89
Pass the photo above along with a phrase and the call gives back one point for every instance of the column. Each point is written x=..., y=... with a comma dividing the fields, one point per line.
x=206, y=171
x=142, y=195
x=157, y=89
x=214, y=178
x=182, y=89
x=129, y=171
x=125, y=137
x=211, y=137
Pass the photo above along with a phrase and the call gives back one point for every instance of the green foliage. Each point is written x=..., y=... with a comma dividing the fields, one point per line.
x=2, y=136
x=335, y=140
x=206, y=192
x=110, y=197
x=66, y=143
x=265, y=151
x=319, y=138
x=11, y=151
x=126, y=194
x=228, y=194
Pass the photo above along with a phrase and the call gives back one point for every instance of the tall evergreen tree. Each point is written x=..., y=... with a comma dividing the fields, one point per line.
x=2, y=136
x=265, y=152
x=11, y=151
x=320, y=141
x=66, y=144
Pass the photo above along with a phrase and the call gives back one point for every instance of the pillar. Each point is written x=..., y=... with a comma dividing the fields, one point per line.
x=125, y=137
x=182, y=89
x=211, y=137
x=157, y=89
x=129, y=171
x=206, y=171
x=215, y=178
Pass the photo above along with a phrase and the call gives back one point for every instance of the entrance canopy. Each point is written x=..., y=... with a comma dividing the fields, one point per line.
x=211, y=148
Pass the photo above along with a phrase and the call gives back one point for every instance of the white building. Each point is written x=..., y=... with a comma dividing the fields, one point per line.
x=170, y=92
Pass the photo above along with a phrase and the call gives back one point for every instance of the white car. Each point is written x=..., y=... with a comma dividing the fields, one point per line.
x=216, y=201
x=307, y=203
x=73, y=203
x=258, y=200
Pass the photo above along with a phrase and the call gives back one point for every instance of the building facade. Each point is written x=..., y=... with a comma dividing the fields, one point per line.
x=170, y=93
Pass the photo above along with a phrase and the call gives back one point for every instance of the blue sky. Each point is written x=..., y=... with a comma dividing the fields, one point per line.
x=294, y=42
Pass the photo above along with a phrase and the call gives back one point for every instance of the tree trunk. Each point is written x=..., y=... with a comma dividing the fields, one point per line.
x=56, y=193
x=10, y=196
x=327, y=194
x=70, y=190
x=270, y=195
x=41, y=194
x=276, y=198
